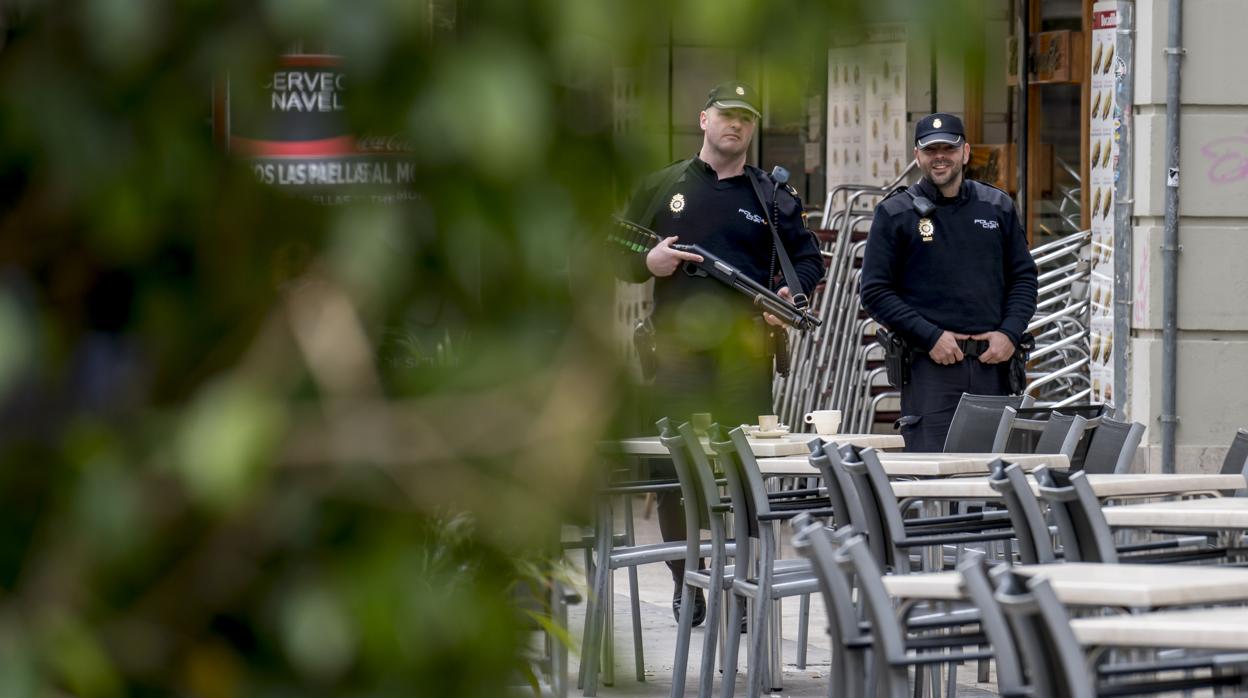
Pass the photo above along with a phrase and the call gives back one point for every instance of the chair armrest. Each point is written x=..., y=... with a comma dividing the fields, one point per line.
x=784, y=516
x=784, y=494
x=641, y=489
x=641, y=483
x=952, y=539
x=994, y=515
x=948, y=657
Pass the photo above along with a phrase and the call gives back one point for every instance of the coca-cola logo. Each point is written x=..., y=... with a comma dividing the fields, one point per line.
x=393, y=143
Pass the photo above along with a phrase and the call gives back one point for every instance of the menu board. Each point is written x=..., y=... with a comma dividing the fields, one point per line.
x=887, y=152
x=867, y=129
x=846, y=93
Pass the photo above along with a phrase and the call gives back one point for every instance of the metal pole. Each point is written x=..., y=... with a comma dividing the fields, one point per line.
x=1170, y=247
x=1024, y=65
x=1124, y=203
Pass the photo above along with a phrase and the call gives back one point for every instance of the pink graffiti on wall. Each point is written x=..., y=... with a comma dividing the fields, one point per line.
x=1230, y=159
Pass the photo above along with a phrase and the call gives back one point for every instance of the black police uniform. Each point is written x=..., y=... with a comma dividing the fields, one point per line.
x=964, y=268
x=710, y=337
x=711, y=355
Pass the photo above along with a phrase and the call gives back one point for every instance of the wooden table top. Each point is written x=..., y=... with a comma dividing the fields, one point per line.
x=1202, y=628
x=1105, y=486
x=1199, y=514
x=787, y=445
x=922, y=464
x=1096, y=584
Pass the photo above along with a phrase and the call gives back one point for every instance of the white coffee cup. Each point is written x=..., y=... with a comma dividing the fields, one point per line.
x=824, y=421
x=768, y=422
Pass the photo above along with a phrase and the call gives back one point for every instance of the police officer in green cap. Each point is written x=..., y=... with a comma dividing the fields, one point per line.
x=710, y=339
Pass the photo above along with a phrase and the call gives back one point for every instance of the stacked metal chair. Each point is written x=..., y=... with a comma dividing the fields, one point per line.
x=1057, y=374
x=830, y=365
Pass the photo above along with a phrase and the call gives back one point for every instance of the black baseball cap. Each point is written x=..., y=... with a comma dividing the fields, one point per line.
x=734, y=95
x=938, y=128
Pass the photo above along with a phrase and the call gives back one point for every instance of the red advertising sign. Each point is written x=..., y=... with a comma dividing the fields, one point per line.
x=291, y=129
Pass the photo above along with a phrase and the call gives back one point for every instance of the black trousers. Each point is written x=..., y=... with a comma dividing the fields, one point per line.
x=930, y=398
x=733, y=387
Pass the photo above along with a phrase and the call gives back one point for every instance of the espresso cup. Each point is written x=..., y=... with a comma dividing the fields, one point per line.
x=824, y=421
x=768, y=422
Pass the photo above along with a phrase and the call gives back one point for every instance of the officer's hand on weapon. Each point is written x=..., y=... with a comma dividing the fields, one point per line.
x=1000, y=348
x=663, y=260
x=772, y=319
x=946, y=350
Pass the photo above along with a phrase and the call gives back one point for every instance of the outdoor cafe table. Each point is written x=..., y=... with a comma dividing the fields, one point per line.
x=1099, y=584
x=1225, y=513
x=1201, y=628
x=787, y=445
x=1105, y=486
x=920, y=464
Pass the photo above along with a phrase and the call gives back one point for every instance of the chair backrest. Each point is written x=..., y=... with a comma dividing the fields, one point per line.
x=975, y=421
x=813, y=541
x=1035, y=545
x=1112, y=446
x=1061, y=434
x=846, y=511
x=1081, y=524
x=883, y=523
x=697, y=505
x=974, y=569
x=745, y=481
x=1021, y=435
x=855, y=557
x=1040, y=626
x=1236, y=460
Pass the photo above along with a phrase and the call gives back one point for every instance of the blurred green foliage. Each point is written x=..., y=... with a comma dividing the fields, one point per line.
x=253, y=445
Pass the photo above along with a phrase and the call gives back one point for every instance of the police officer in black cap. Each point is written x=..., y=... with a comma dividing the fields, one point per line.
x=710, y=339
x=947, y=268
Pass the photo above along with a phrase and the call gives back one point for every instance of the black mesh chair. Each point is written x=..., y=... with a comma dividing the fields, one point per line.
x=1060, y=433
x=975, y=421
x=1112, y=447
x=1029, y=422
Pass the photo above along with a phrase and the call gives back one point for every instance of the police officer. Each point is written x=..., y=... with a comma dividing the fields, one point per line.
x=948, y=269
x=710, y=339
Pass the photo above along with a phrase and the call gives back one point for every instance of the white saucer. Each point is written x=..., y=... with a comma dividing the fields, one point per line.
x=757, y=433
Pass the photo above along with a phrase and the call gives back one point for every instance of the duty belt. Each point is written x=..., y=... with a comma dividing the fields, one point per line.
x=973, y=347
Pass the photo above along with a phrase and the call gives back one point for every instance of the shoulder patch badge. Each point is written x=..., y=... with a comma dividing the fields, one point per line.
x=926, y=229
x=677, y=204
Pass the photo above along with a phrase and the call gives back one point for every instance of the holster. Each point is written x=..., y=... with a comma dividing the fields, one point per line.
x=777, y=343
x=647, y=348
x=1018, y=363
x=897, y=357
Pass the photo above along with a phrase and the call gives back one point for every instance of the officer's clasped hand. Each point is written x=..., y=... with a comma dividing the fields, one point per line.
x=1000, y=348
x=663, y=259
x=946, y=350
